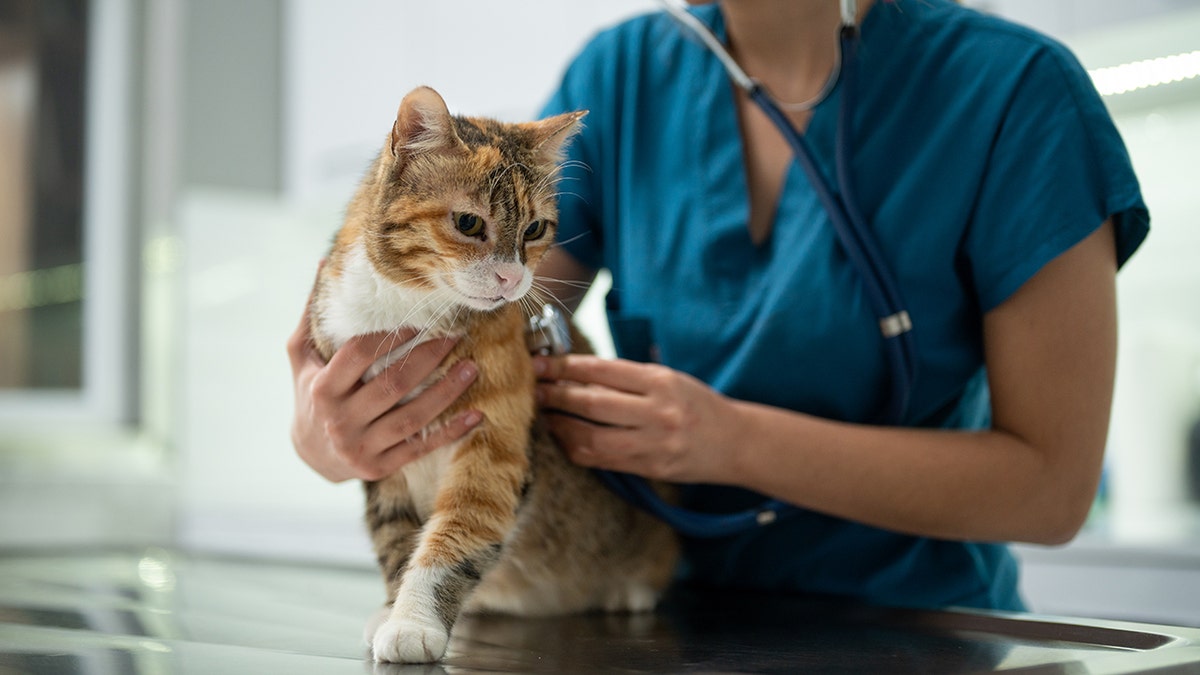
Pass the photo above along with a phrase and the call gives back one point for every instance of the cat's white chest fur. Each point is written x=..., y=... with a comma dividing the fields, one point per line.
x=423, y=477
x=361, y=301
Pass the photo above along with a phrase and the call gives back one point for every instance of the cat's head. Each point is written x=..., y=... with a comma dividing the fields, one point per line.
x=465, y=207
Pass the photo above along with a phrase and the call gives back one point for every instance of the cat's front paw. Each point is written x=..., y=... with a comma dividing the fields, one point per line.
x=406, y=641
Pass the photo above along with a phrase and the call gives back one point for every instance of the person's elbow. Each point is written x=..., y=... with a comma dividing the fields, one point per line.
x=1065, y=508
x=1061, y=528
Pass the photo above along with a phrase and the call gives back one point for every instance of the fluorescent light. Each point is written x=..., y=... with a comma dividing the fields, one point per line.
x=1148, y=73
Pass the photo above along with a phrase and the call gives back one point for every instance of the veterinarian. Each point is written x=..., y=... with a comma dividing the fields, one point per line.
x=1002, y=201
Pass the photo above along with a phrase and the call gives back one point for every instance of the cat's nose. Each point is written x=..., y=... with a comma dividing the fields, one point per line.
x=508, y=277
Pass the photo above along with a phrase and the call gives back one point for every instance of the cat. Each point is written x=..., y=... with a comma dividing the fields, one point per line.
x=443, y=235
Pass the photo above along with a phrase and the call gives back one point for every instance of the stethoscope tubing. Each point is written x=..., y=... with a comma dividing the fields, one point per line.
x=898, y=340
x=880, y=287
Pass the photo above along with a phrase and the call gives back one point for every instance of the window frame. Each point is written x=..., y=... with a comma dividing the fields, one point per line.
x=106, y=396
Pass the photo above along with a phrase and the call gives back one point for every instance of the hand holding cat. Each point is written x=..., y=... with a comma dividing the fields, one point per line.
x=345, y=429
x=638, y=418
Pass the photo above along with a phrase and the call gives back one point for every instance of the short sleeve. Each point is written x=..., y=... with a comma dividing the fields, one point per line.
x=1056, y=171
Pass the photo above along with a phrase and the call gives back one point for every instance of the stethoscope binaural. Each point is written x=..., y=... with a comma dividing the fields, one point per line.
x=857, y=241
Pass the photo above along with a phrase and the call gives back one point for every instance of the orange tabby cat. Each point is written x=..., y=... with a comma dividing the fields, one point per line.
x=443, y=235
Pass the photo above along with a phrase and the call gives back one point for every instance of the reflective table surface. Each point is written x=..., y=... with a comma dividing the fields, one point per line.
x=159, y=611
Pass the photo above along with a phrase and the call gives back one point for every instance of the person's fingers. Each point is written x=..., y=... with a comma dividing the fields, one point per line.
x=299, y=344
x=413, y=448
x=409, y=419
x=351, y=361
x=619, y=374
x=401, y=378
x=597, y=446
x=594, y=403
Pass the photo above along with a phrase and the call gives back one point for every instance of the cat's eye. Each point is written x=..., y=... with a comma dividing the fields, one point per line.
x=536, y=230
x=469, y=224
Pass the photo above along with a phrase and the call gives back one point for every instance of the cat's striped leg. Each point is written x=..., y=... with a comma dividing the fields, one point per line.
x=475, y=512
x=394, y=526
x=428, y=604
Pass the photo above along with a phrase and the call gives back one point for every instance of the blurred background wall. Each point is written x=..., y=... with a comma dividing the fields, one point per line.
x=172, y=170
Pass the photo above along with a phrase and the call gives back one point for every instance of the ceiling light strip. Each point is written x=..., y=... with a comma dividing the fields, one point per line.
x=1147, y=73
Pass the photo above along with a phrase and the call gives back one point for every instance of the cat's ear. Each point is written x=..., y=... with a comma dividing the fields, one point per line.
x=551, y=135
x=423, y=124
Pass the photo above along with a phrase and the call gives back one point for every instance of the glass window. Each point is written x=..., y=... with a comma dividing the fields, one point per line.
x=42, y=99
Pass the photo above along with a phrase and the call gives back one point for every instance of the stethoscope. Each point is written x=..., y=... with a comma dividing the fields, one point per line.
x=857, y=241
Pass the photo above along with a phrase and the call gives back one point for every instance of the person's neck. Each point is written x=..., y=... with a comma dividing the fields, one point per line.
x=788, y=45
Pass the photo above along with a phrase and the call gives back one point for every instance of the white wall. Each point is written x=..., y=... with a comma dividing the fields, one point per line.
x=1158, y=392
x=348, y=65
x=1064, y=18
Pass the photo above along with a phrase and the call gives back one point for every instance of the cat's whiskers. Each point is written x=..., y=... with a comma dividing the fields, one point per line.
x=427, y=296
x=458, y=311
x=424, y=331
x=559, y=244
x=531, y=302
x=562, y=304
x=536, y=294
x=573, y=163
x=547, y=181
x=395, y=331
x=394, y=341
x=583, y=285
x=435, y=315
x=558, y=175
x=561, y=193
x=546, y=297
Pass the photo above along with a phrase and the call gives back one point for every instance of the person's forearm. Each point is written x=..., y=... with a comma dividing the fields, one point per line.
x=1050, y=351
x=983, y=486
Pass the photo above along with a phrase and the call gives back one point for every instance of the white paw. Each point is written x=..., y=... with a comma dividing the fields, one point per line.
x=373, y=623
x=633, y=597
x=407, y=641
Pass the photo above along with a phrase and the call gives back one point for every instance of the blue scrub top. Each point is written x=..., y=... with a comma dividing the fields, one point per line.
x=981, y=151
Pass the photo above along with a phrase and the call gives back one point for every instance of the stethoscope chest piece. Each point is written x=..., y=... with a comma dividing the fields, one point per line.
x=549, y=333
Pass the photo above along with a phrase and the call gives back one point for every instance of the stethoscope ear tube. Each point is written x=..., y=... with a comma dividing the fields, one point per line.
x=679, y=13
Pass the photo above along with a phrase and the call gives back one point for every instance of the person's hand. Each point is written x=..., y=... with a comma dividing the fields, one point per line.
x=346, y=429
x=638, y=418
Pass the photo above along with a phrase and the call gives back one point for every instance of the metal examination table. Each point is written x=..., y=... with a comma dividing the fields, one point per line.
x=160, y=611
